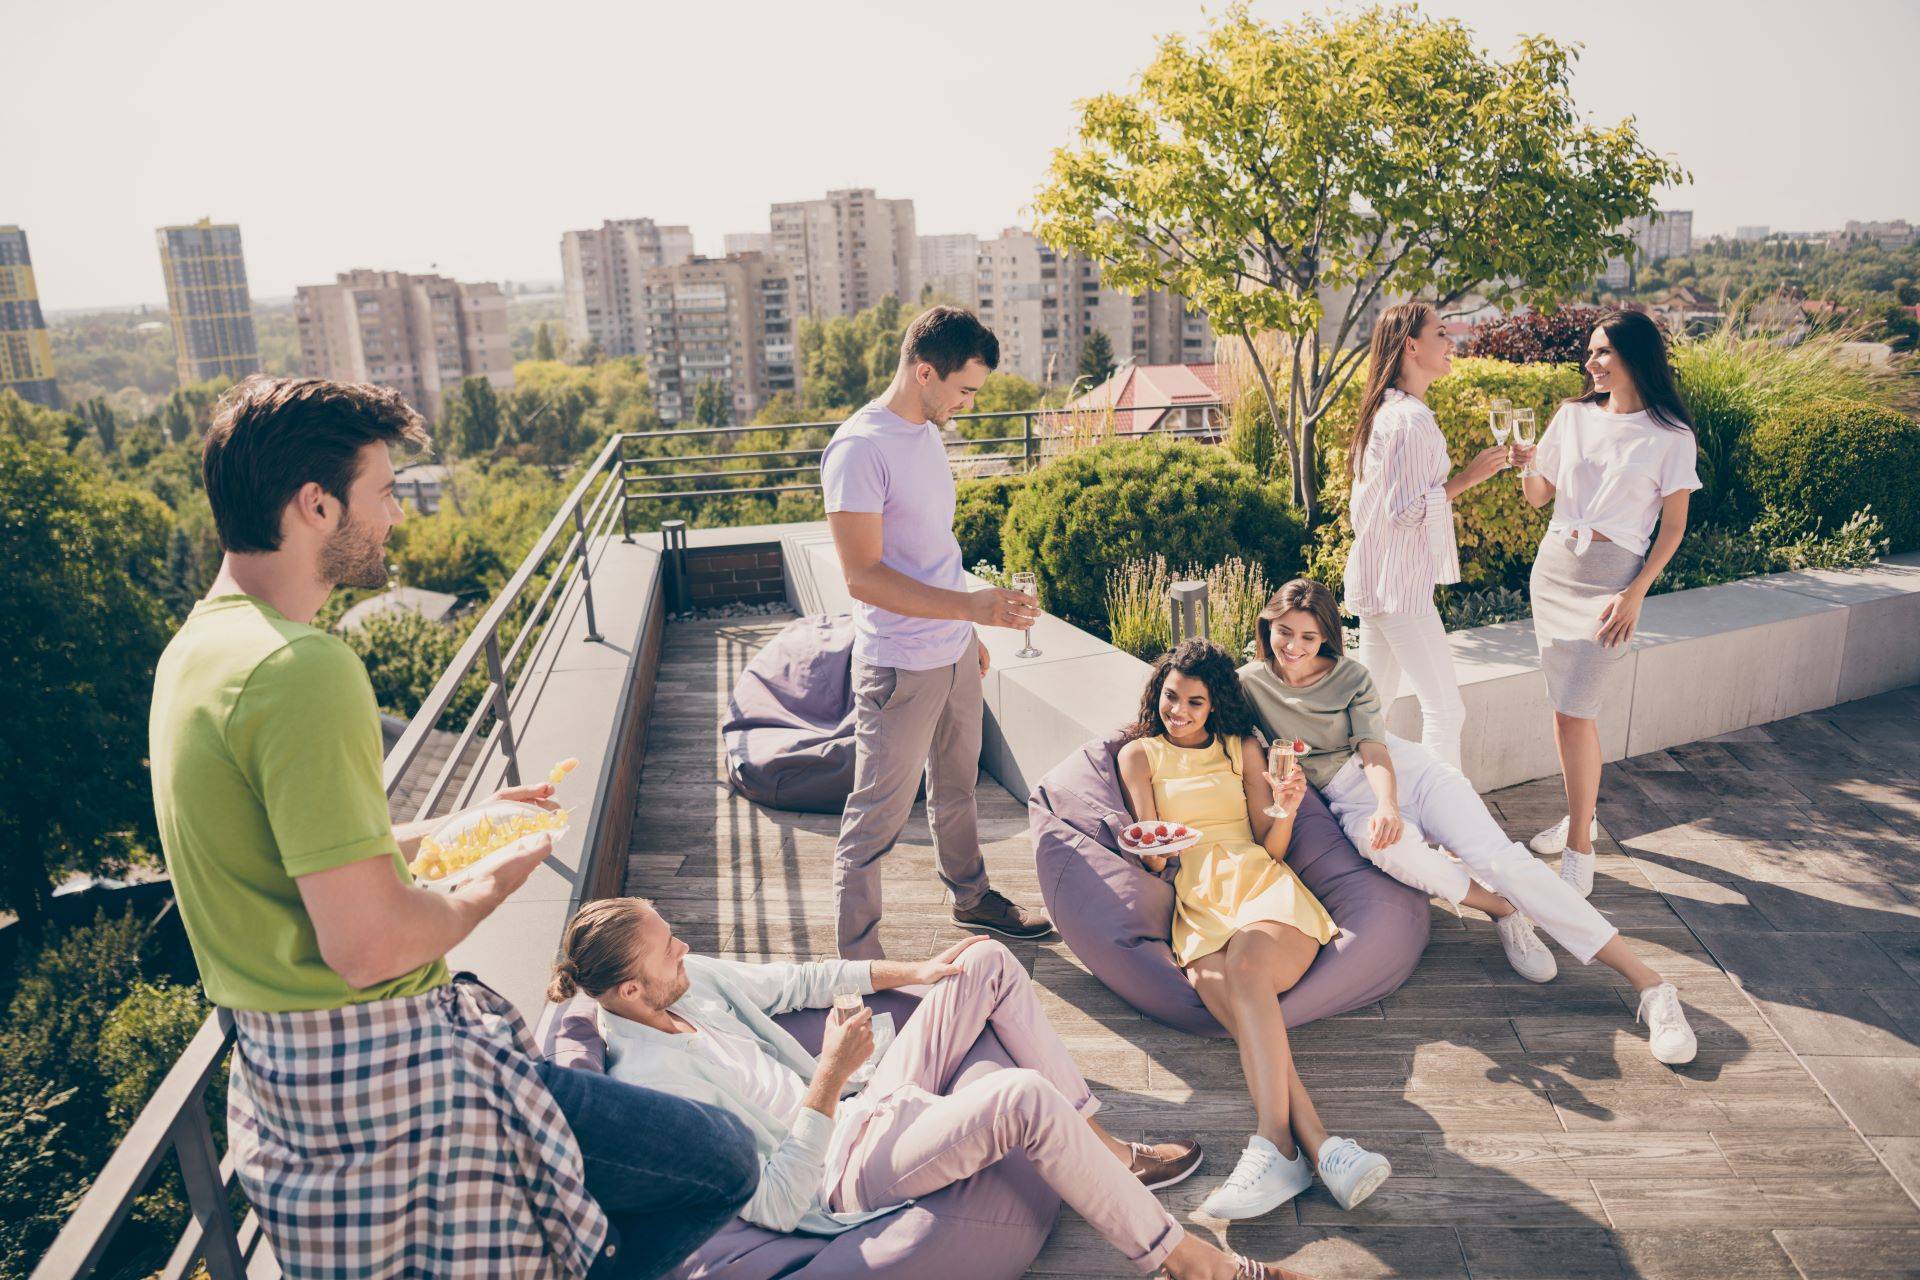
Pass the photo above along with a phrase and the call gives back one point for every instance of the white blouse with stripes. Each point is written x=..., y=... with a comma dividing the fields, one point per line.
x=1403, y=543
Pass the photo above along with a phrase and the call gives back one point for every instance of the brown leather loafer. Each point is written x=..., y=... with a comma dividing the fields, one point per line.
x=996, y=914
x=1162, y=1164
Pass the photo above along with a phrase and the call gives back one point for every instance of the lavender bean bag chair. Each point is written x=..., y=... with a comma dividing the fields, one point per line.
x=789, y=725
x=1118, y=917
x=989, y=1227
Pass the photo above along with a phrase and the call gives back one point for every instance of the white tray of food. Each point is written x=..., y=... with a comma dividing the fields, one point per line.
x=1158, y=838
x=479, y=839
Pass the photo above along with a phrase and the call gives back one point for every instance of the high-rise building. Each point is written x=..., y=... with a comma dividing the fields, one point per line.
x=26, y=352
x=748, y=242
x=1043, y=306
x=1751, y=233
x=421, y=335
x=604, y=272
x=208, y=302
x=724, y=320
x=1897, y=234
x=847, y=251
x=950, y=264
x=1656, y=237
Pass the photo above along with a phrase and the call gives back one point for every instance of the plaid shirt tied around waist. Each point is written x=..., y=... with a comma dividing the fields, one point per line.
x=408, y=1137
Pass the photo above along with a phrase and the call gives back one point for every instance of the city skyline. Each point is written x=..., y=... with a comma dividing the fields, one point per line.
x=1789, y=152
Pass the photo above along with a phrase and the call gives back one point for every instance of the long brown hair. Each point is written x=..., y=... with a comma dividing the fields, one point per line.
x=1301, y=593
x=597, y=947
x=1642, y=347
x=1399, y=322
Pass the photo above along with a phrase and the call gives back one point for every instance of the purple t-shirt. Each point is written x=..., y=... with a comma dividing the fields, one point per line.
x=879, y=462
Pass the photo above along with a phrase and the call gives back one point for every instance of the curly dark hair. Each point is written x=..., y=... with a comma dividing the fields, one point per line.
x=1232, y=714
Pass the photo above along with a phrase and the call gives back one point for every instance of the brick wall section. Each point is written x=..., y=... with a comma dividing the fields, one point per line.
x=735, y=575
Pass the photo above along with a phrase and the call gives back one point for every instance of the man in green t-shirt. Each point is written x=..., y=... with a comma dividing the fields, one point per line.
x=365, y=1078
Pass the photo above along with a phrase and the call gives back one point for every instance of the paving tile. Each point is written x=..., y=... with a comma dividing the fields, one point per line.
x=1790, y=960
x=1850, y=1253
x=1902, y=1158
x=1460, y=1202
x=1525, y=1253
x=1880, y=1095
x=1814, y=1153
x=1837, y=1022
x=1704, y=1254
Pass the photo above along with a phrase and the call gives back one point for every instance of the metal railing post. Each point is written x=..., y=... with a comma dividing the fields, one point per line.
x=626, y=508
x=586, y=573
x=1026, y=440
x=673, y=544
x=497, y=672
x=206, y=1195
x=1188, y=602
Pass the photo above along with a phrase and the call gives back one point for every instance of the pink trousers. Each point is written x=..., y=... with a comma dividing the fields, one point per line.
x=918, y=1141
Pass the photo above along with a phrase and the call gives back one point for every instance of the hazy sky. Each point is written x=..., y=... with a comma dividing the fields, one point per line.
x=403, y=134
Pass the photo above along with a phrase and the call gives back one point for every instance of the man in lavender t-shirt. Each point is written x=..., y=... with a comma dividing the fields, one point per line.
x=917, y=662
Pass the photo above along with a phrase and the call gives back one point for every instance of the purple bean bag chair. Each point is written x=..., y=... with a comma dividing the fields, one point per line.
x=1118, y=917
x=789, y=726
x=989, y=1227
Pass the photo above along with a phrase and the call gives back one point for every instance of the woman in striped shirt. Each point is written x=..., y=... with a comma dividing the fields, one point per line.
x=1402, y=512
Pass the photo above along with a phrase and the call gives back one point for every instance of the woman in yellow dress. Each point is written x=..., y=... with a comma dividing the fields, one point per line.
x=1244, y=926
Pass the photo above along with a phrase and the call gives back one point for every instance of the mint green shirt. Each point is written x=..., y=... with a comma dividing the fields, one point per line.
x=266, y=756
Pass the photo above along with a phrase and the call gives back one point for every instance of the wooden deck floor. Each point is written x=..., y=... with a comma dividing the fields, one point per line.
x=1531, y=1133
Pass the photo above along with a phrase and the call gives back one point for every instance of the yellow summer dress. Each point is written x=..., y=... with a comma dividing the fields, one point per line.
x=1227, y=881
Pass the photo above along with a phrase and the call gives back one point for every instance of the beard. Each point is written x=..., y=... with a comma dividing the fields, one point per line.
x=354, y=557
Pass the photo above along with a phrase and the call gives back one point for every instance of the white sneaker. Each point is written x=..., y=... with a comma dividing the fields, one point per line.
x=1554, y=838
x=1351, y=1172
x=1262, y=1182
x=1668, y=1035
x=1525, y=952
x=1576, y=869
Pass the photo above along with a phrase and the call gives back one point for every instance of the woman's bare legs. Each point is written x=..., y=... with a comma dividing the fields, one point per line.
x=1241, y=984
x=1578, y=741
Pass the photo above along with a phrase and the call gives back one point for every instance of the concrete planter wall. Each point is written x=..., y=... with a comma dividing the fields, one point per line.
x=1706, y=662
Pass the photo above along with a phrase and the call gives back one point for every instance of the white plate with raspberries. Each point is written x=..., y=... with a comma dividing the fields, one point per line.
x=1158, y=838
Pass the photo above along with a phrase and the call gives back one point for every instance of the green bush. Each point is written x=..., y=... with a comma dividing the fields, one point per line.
x=1077, y=519
x=1498, y=532
x=1777, y=542
x=405, y=654
x=1825, y=459
x=980, y=509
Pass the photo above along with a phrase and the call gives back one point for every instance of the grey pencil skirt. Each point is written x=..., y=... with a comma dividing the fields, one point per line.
x=1569, y=591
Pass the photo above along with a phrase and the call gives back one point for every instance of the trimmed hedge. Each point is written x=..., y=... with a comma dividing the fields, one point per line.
x=1826, y=459
x=980, y=509
x=1076, y=519
x=1497, y=531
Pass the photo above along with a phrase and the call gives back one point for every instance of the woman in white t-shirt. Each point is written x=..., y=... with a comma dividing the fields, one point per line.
x=1615, y=463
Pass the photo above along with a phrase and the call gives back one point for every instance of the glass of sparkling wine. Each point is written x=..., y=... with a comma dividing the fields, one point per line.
x=1499, y=421
x=845, y=1005
x=1523, y=424
x=1026, y=584
x=1280, y=759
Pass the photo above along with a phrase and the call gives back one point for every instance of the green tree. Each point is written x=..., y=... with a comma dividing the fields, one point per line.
x=79, y=636
x=1284, y=177
x=543, y=343
x=471, y=422
x=405, y=656
x=712, y=406
x=1096, y=358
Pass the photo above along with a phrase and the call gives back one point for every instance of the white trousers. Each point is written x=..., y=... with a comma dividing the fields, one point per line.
x=1414, y=645
x=1438, y=803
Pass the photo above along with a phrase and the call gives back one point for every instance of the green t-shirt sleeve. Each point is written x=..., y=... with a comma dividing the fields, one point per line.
x=306, y=733
x=1366, y=720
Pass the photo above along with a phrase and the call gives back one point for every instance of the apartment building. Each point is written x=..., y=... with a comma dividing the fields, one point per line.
x=604, y=271
x=950, y=265
x=1656, y=237
x=1897, y=234
x=1043, y=305
x=208, y=302
x=420, y=334
x=26, y=352
x=727, y=320
x=847, y=251
x=748, y=242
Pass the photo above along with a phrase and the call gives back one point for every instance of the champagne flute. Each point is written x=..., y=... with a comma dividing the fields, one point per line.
x=1523, y=424
x=1280, y=757
x=1026, y=584
x=1499, y=421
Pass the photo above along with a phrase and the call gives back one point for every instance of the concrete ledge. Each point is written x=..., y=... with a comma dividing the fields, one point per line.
x=584, y=698
x=1705, y=662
